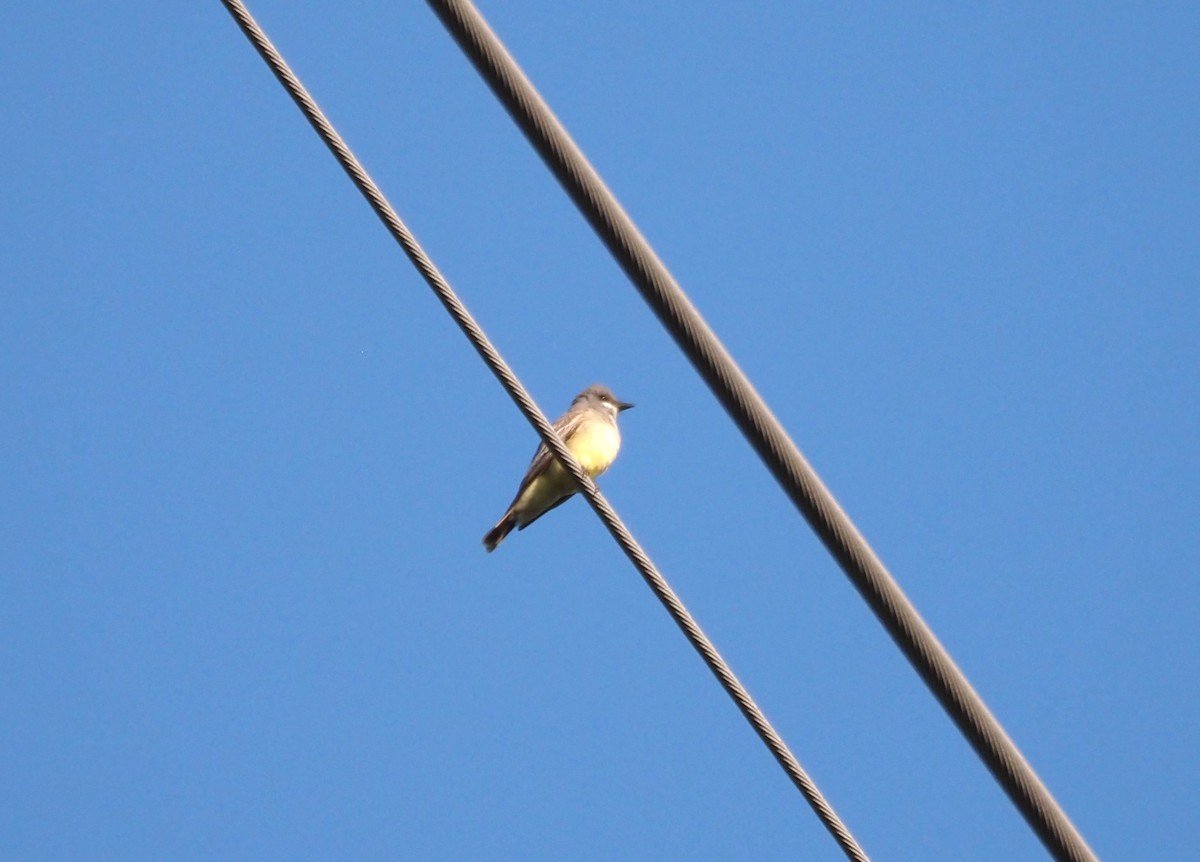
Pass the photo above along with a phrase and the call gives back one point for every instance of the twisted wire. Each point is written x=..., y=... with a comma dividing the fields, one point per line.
x=508, y=379
x=764, y=432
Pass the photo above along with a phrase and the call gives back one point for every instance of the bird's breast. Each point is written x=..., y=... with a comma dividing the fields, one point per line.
x=595, y=446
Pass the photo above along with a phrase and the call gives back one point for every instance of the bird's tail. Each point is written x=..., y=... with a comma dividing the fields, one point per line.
x=497, y=533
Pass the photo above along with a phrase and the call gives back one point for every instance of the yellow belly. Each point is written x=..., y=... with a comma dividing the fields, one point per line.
x=595, y=446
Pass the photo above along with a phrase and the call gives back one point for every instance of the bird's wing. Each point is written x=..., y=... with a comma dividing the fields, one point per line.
x=565, y=427
x=549, y=508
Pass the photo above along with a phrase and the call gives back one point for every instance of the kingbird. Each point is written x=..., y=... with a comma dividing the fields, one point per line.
x=589, y=429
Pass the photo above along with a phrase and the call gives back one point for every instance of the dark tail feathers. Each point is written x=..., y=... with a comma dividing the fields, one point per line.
x=496, y=535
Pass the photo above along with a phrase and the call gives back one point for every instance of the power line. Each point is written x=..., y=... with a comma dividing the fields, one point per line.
x=764, y=432
x=508, y=379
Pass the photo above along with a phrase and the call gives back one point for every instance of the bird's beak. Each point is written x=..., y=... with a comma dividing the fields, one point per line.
x=623, y=405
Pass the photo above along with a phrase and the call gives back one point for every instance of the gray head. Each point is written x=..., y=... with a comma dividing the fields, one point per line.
x=600, y=396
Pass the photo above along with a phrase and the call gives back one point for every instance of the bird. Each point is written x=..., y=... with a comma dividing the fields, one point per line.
x=589, y=430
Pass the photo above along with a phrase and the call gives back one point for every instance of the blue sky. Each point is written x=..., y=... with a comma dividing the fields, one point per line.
x=247, y=460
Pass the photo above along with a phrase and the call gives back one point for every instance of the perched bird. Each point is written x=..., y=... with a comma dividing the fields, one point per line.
x=589, y=428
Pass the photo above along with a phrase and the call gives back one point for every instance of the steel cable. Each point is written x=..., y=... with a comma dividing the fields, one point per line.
x=764, y=432
x=508, y=379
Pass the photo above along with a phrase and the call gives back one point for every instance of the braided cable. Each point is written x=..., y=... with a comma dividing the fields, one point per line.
x=508, y=379
x=764, y=432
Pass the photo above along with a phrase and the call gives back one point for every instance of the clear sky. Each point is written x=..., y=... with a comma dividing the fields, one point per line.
x=247, y=460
